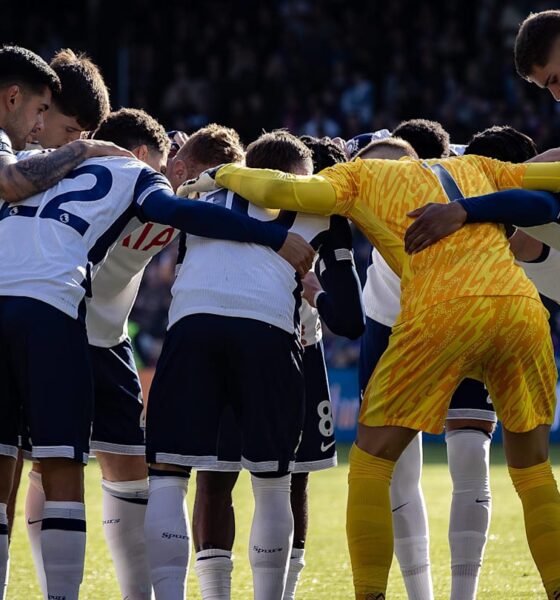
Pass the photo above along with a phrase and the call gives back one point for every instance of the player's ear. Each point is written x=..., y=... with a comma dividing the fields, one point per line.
x=179, y=170
x=141, y=152
x=13, y=97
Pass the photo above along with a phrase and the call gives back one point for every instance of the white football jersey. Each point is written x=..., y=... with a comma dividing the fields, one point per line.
x=52, y=239
x=243, y=280
x=545, y=275
x=549, y=234
x=382, y=291
x=115, y=284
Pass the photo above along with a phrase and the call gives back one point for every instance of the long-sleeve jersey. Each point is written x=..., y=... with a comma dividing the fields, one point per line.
x=378, y=194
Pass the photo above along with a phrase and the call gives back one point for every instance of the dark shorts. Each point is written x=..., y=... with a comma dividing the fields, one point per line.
x=45, y=380
x=470, y=400
x=209, y=363
x=118, y=412
x=317, y=449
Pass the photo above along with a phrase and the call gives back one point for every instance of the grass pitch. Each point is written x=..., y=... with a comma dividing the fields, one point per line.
x=508, y=571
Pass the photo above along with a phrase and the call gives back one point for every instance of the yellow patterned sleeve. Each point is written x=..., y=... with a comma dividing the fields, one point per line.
x=275, y=189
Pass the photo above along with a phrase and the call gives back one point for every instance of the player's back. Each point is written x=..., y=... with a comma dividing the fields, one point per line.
x=51, y=238
x=475, y=261
x=242, y=280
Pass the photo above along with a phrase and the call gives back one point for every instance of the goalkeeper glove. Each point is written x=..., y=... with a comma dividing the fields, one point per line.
x=205, y=182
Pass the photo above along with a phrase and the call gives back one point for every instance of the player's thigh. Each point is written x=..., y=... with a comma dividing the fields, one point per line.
x=317, y=448
x=373, y=344
x=187, y=394
x=268, y=373
x=51, y=364
x=118, y=420
x=426, y=359
x=520, y=372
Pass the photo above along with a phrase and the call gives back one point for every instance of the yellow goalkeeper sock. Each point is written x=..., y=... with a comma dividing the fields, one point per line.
x=369, y=526
x=539, y=495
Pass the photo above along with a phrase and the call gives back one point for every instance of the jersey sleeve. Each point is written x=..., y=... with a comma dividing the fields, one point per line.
x=524, y=208
x=504, y=175
x=5, y=144
x=340, y=305
x=274, y=189
x=149, y=181
x=206, y=220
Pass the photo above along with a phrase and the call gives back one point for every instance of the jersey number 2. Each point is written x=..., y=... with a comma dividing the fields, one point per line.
x=52, y=210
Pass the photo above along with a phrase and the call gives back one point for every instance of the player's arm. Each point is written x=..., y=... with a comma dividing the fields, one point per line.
x=158, y=204
x=337, y=293
x=21, y=179
x=269, y=188
x=524, y=208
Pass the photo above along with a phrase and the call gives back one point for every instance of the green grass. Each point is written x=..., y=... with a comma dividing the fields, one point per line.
x=508, y=570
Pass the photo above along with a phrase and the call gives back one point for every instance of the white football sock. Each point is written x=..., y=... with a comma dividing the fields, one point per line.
x=167, y=535
x=34, y=508
x=213, y=568
x=468, y=455
x=410, y=523
x=271, y=536
x=63, y=546
x=124, y=510
x=295, y=567
x=4, y=554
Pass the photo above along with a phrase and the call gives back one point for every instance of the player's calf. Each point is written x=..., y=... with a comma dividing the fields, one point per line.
x=166, y=530
x=271, y=537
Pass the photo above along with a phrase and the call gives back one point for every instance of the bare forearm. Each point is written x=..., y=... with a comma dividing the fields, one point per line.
x=23, y=179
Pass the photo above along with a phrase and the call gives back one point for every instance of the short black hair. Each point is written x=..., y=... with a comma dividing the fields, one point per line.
x=84, y=94
x=21, y=66
x=428, y=138
x=132, y=127
x=503, y=143
x=534, y=40
x=325, y=153
x=277, y=150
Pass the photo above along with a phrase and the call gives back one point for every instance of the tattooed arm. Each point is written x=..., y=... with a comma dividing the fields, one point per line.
x=19, y=180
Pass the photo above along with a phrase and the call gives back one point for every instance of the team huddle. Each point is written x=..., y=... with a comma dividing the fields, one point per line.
x=453, y=333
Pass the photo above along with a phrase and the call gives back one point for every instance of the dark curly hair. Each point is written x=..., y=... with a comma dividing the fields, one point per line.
x=325, y=153
x=503, y=143
x=21, y=66
x=428, y=138
x=132, y=127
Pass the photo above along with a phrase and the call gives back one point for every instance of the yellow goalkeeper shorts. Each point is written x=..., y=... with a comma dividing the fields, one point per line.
x=503, y=341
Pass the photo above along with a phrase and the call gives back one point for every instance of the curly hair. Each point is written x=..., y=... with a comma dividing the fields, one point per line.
x=132, y=127
x=325, y=153
x=503, y=143
x=428, y=138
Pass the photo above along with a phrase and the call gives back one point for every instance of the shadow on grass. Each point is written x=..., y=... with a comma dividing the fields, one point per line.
x=434, y=453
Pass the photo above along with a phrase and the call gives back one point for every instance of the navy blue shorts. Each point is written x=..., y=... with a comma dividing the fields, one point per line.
x=118, y=411
x=470, y=400
x=317, y=448
x=210, y=362
x=45, y=380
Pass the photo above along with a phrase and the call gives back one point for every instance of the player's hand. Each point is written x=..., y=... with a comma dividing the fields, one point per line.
x=205, y=182
x=298, y=253
x=311, y=287
x=96, y=148
x=433, y=222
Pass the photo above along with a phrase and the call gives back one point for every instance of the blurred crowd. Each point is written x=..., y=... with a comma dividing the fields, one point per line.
x=326, y=67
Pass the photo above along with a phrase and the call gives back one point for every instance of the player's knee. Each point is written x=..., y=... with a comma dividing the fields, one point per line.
x=215, y=485
x=468, y=452
x=63, y=479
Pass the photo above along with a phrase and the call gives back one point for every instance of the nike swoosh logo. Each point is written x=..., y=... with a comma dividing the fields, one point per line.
x=399, y=507
x=325, y=447
x=481, y=501
x=30, y=522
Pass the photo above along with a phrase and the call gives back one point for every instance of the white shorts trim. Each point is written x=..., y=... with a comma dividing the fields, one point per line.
x=118, y=448
x=265, y=466
x=315, y=465
x=198, y=462
x=472, y=413
x=7, y=450
x=56, y=452
x=223, y=466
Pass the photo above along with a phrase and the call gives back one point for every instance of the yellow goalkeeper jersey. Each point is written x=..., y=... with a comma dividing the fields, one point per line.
x=377, y=195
